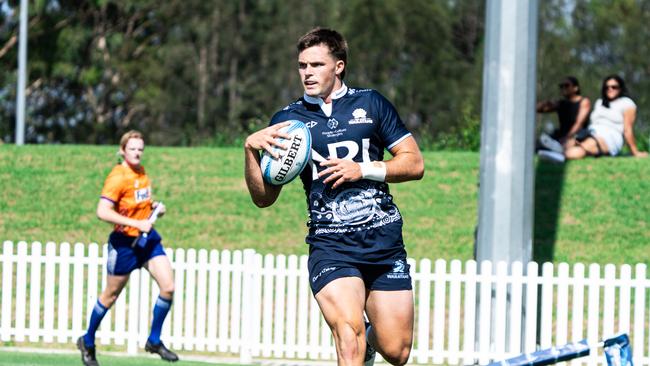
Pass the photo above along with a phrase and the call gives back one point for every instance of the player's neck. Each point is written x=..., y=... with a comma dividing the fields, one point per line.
x=135, y=168
x=326, y=102
x=336, y=91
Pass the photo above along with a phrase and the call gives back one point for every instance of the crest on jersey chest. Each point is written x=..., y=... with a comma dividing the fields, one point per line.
x=332, y=123
x=359, y=117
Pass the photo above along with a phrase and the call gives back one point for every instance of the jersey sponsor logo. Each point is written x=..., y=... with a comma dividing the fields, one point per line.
x=311, y=124
x=335, y=133
x=332, y=123
x=142, y=194
x=346, y=150
x=359, y=116
x=352, y=91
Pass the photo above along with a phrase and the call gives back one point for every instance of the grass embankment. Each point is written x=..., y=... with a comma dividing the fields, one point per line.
x=595, y=210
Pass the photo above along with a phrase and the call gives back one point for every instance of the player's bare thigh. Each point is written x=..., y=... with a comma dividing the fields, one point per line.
x=114, y=286
x=391, y=316
x=341, y=302
x=161, y=270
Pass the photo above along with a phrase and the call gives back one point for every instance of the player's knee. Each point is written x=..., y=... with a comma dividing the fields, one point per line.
x=167, y=291
x=108, y=299
x=395, y=350
x=348, y=331
x=397, y=356
x=347, y=335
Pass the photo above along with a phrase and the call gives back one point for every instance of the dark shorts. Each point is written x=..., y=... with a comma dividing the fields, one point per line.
x=377, y=256
x=124, y=257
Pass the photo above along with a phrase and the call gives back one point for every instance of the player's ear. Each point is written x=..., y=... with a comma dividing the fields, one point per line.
x=340, y=66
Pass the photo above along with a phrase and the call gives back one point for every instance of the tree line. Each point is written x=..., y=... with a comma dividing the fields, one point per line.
x=196, y=72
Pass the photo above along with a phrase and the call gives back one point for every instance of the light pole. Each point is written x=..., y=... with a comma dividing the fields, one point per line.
x=506, y=192
x=22, y=75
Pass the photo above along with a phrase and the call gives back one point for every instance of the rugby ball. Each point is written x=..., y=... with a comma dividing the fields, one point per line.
x=291, y=161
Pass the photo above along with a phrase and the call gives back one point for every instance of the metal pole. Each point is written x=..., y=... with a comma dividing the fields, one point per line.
x=22, y=75
x=506, y=191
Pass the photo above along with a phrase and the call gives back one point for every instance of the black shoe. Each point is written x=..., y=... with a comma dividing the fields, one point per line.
x=87, y=353
x=161, y=350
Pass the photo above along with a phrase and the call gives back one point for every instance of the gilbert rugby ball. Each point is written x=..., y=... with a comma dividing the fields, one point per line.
x=293, y=160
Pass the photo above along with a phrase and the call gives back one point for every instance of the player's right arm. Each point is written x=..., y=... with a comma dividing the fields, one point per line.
x=106, y=212
x=262, y=193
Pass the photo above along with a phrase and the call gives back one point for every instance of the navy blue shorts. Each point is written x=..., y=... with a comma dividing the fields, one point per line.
x=124, y=257
x=377, y=256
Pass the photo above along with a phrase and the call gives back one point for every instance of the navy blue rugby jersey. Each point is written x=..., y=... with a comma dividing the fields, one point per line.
x=358, y=125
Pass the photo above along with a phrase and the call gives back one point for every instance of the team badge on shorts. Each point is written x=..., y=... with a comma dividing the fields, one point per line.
x=399, y=271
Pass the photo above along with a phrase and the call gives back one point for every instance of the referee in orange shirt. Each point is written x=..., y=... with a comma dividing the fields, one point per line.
x=127, y=203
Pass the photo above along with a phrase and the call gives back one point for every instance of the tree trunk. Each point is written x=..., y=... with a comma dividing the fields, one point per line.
x=203, y=87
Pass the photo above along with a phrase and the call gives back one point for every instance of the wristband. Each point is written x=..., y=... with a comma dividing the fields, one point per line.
x=375, y=170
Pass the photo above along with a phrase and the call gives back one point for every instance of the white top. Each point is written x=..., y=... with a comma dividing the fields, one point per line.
x=612, y=117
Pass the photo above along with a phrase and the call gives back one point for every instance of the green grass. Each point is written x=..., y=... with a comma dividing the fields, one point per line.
x=11, y=358
x=595, y=210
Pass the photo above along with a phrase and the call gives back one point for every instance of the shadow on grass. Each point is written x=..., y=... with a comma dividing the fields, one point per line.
x=549, y=179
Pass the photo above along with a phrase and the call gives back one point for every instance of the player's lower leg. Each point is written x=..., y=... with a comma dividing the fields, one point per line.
x=369, y=359
x=98, y=313
x=154, y=344
x=86, y=343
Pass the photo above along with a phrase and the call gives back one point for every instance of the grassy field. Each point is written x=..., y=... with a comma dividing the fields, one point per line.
x=11, y=358
x=595, y=210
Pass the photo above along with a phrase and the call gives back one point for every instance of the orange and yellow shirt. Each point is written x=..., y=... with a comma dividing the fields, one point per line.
x=130, y=191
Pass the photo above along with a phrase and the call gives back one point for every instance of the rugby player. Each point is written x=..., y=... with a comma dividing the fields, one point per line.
x=357, y=261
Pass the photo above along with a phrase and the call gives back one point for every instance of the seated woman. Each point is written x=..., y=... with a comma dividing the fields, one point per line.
x=612, y=120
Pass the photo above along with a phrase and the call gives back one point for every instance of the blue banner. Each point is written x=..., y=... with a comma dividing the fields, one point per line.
x=548, y=356
x=618, y=351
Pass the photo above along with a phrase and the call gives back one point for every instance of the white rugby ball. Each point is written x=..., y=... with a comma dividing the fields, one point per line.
x=293, y=160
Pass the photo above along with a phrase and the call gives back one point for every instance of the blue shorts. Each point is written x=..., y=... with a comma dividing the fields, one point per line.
x=377, y=256
x=124, y=257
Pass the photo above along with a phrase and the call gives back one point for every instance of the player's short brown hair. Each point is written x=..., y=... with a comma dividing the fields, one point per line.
x=337, y=45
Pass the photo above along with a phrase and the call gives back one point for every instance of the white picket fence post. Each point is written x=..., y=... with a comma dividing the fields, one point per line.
x=257, y=305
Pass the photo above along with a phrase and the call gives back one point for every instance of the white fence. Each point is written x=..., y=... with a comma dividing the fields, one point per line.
x=260, y=306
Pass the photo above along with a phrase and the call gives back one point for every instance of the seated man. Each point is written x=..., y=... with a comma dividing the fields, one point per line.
x=572, y=111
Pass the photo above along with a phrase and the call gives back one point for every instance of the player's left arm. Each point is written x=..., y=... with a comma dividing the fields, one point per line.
x=406, y=164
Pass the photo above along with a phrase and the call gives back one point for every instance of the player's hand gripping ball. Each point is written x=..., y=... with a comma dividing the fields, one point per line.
x=293, y=160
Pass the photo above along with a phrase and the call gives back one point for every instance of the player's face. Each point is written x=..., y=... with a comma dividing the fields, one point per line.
x=318, y=71
x=132, y=152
